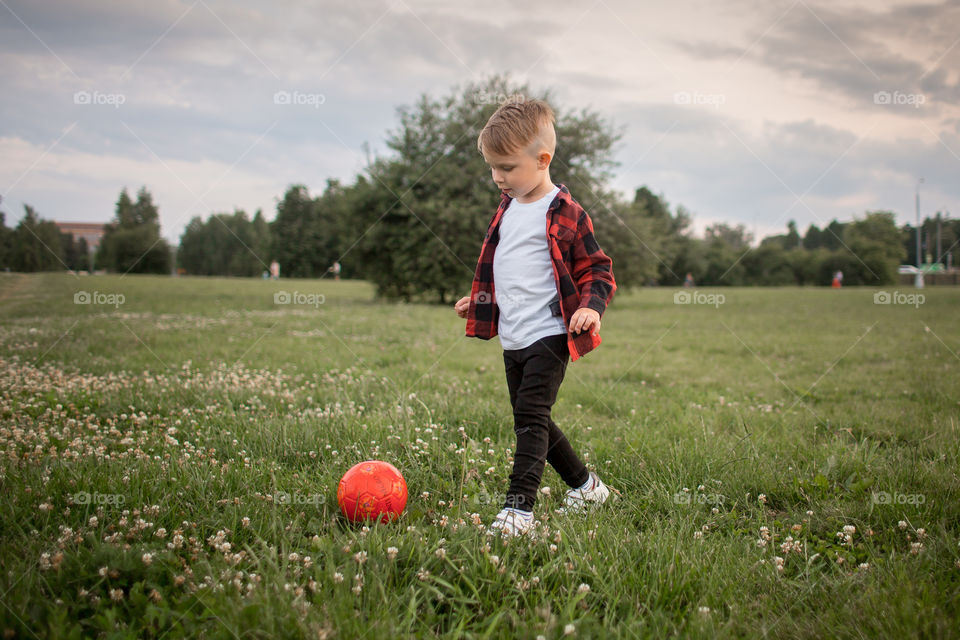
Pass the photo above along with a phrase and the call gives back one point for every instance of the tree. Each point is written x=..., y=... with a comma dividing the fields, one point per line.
x=724, y=249
x=427, y=206
x=75, y=252
x=6, y=242
x=875, y=242
x=36, y=244
x=132, y=241
x=664, y=239
x=225, y=245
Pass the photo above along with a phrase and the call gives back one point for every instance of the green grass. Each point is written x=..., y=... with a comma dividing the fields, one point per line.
x=191, y=404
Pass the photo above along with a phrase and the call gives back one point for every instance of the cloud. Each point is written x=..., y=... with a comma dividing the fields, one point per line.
x=199, y=79
x=853, y=52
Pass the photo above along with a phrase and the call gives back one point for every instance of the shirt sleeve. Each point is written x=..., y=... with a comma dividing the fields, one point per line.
x=592, y=268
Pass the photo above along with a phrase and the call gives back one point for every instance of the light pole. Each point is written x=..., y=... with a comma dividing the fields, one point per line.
x=919, y=259
x=918, y=280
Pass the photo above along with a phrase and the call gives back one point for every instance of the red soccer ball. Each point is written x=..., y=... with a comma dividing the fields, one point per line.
x=372, y=490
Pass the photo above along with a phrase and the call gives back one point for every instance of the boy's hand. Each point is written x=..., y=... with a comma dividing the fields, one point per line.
x=461, y=306
x=583, y=319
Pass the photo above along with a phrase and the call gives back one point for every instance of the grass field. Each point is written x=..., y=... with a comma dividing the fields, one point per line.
x=787, y=461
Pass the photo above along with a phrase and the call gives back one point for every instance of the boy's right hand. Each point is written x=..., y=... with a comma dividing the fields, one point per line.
x=462, y=305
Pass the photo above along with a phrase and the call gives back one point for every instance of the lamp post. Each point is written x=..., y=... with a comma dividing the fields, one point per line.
x=919, y=259
x=918, y=281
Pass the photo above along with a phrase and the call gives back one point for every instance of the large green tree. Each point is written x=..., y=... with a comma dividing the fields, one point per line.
x=423, y=210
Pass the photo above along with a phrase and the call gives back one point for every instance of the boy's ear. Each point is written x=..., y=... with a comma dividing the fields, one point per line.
x=543, y=159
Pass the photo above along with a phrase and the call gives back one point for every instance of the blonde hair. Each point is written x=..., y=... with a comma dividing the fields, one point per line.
x=519, y=125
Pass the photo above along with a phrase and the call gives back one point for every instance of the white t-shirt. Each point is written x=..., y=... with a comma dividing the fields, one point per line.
x=523, y=277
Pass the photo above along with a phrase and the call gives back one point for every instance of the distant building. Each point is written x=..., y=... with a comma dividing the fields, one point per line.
x=92, y=232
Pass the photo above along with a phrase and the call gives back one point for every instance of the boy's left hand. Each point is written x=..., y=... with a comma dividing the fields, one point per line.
x=584, y=318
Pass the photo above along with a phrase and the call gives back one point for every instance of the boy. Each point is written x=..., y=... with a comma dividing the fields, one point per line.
x=541, y=284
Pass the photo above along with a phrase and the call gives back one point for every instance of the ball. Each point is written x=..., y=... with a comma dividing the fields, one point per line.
x=372, y=490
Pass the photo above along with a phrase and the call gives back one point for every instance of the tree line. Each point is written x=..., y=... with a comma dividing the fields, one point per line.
x=413, y=220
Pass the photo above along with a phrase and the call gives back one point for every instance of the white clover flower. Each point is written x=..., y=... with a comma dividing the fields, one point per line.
x=583, y=588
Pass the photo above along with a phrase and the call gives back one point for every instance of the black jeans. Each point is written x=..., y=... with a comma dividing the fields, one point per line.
x=534, y=375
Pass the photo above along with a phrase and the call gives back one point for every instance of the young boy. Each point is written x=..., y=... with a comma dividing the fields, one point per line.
x=541, y=284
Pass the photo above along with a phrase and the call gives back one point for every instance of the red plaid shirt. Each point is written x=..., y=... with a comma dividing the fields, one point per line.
x=583, y=272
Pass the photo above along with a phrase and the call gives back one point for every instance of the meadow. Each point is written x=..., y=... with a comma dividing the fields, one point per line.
x=786, y=462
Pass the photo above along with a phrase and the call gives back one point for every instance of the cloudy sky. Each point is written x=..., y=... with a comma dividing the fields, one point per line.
x=743, y=111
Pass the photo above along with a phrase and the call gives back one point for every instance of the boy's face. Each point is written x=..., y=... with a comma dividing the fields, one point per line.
x=520, y=173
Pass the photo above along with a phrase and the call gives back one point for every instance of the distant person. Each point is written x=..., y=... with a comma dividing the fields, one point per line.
x=274, y=270
x=336, y=270
x=837, y=280
x=688, y=281
x=543, y=315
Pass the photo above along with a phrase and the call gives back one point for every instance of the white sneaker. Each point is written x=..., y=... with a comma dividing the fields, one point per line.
x=512, y=522
x=579, y=500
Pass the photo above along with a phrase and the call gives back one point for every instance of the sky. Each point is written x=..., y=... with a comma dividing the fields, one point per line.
x=750, y=112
